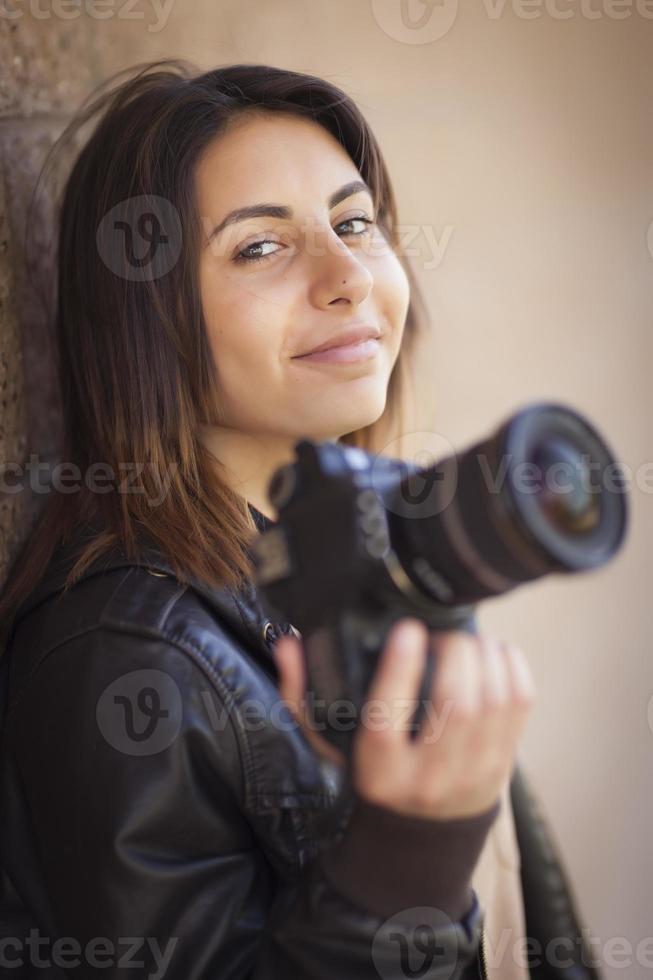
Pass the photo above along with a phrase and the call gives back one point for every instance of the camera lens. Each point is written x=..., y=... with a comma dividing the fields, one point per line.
x=565, y=493
x=543, y=493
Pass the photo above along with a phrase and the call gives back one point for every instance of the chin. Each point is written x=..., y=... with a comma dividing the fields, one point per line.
x=333, y=424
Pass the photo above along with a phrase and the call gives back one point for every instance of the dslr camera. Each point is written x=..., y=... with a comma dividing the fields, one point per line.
x=363, y=540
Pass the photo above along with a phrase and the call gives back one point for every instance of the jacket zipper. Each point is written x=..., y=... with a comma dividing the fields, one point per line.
x=482, y=960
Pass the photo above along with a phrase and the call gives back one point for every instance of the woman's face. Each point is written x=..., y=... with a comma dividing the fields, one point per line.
x=276, y=285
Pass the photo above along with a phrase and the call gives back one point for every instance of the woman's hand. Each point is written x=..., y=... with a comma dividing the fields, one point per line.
x=482, y=694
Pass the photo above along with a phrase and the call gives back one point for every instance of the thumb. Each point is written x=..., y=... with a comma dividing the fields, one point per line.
x=289, y=657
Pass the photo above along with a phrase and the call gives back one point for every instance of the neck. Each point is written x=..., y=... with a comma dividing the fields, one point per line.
x=247, y=461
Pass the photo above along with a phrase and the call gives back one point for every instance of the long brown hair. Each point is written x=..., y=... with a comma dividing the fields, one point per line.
x=135, y=368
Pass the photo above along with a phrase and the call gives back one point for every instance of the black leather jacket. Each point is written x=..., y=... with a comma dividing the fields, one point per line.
x=187, y=846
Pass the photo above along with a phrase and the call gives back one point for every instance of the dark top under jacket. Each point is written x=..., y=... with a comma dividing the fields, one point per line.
x=161, y=814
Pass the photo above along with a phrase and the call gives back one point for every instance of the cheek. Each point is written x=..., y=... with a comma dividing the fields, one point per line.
x=242, y=359
x=244, y=338
x=233, y=319
x=392, y=291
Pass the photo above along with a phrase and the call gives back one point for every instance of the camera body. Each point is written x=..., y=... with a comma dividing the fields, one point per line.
x=329, y=563
x=363, y=540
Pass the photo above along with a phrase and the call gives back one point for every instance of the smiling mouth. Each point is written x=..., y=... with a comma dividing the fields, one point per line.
x=360, y=350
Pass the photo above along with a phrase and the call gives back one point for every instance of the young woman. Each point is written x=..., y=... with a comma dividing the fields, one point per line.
x=215, y=230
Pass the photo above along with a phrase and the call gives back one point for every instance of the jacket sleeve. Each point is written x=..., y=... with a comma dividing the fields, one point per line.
x=150, y=863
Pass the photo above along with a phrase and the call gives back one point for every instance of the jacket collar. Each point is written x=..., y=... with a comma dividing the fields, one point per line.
x=242, y=608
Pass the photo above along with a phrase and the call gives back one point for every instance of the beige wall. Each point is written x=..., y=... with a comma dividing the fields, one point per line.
x=525, y=148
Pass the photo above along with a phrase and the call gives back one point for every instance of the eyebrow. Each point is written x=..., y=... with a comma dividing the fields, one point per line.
x=282, y=211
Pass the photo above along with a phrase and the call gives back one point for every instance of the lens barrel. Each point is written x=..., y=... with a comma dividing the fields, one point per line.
x=544, y=493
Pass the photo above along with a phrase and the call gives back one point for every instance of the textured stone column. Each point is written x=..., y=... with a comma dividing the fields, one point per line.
x=47, y=66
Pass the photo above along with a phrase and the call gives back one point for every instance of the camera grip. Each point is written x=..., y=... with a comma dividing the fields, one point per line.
x=340, y=663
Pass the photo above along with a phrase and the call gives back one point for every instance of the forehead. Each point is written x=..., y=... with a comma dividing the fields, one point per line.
x=272, y=157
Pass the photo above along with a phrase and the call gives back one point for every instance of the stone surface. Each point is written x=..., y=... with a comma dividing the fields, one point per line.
x=46, y=61
x=31, y=221
x=13, y=415
x=30, y=416
x=47, y=67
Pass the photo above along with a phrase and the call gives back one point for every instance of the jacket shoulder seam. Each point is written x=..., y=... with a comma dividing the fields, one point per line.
x=105, y=615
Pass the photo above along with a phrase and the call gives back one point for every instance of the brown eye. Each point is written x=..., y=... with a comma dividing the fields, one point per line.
x=245, y=254
x=365, y=221
x=242, y=256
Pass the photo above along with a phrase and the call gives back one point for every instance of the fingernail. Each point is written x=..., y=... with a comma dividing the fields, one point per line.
x=409, y=632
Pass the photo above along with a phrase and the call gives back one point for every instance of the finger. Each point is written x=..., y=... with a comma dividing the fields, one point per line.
x=511, y=719
x=495, y=750
x=522, y=687
x=452, y=713
x=495, y=683
x=399, y=670
x=457, y=680
x=520, y=676
x=324, y=748
x=289, y=658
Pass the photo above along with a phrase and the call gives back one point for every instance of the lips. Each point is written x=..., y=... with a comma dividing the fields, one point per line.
x=344, y=338
x=364, y=350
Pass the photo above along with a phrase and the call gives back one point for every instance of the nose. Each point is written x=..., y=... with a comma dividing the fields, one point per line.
x=339, y=276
